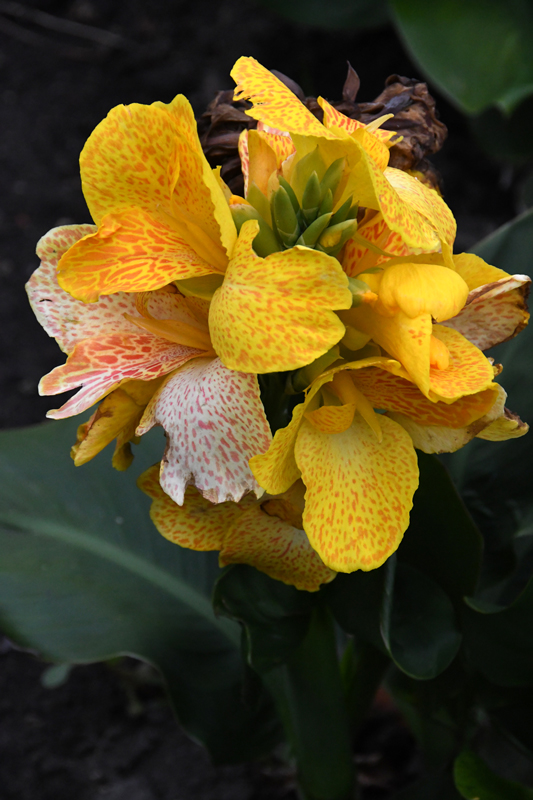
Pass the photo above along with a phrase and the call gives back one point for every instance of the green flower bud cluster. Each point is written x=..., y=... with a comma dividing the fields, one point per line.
x=286, y=222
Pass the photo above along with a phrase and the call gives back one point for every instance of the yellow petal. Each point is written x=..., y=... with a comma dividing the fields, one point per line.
x=390, y=392
x=198, y=524
x=372, y=143
x=276, y=314
x=494, y=312
x=507, y=426
x=476, y=272
x=273, y=103
x=374, y=230
x=423, y=289
x=332, y=419
x=272, y=545
x=132, y=251
x=262, y=160
x=276, y=470
x=469, y=371
x=359, y=492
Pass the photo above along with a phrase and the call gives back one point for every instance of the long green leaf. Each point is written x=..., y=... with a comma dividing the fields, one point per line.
x=84, y=575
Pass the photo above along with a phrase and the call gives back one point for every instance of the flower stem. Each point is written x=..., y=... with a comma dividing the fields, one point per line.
x=309, y=698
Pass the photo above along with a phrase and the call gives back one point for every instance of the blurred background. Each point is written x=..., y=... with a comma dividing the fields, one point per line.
x=63, y=65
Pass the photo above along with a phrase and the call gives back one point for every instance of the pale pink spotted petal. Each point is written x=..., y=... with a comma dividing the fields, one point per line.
x=68, y=320
x=494, y=312
x=215, y=423
x=100, y=365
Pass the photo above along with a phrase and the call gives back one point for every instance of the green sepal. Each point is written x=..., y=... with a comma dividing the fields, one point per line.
x=326, y=206
x=342, y=212
x=203, y=287
x=311, y=199
x=256, y=197
x=311, y=234
x=302, y=378
x=283, y=215
x=336, y=236
x=290, y=191
x=265, y=242
x=332, y=177
x=358, y=289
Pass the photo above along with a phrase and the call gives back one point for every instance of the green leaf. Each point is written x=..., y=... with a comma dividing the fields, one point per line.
x=275, y=616
x=418, y=623
x=335, y=15
x=85, y=576
x=477, y=53
x=442, y=541
x=499, y=642
x=476, y=781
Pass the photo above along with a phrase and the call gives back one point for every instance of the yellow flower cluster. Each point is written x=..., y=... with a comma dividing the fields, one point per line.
x=333, y=279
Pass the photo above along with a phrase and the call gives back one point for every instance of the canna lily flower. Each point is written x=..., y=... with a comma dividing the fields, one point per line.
x=333, y=268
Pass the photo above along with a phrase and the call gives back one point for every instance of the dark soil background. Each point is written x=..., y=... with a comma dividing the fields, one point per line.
x=107, y=733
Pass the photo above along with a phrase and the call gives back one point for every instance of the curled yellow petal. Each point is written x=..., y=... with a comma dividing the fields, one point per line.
x=423, y=289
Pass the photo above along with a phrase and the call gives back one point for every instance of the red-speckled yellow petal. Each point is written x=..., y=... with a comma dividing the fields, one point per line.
x=215, y=422
x=388, y=391
x=469, y=370
x=332, y=419
x=276, y=470
x=494, y=312
x=198, y=524
x=273, y=103
x=370, y=140
x=359, y=492
x=276, y=314
x=273, y=546
x=101, y=365
x=425, y=201
x=282, y=145
x=507, y=426
x=244, y=155
x=405, y=339
x=358, y=258
x=263, y=161
x=117, y=416
x=476, y=272
x=132, y=251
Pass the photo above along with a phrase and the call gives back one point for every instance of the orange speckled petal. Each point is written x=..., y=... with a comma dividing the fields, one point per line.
x=393, y=393
x=282, y=145
x=274, y=104
x=276, y=314
x=262, y=160
x=358, y=258
x=359, y=492
x=198, y=524
x=276, y=470
x=215, y=422
x=332, y=419
x=197, y=195
x=273, y=546
x=469, y=371
x=117, y=412
x=130, y=159
x=476, y=272
x=425, y=201
x=68, y=320
x=101, y=365
x=244, y=155
x=373, y=143
x=494, y=312
x=405, y=339
x=132, y=251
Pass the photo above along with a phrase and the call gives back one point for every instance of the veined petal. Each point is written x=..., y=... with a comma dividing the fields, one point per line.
x=332, y=419
x=374, y=229
x=424, y=200
x=132, y=251
x=262, y=160
x=68, y=320
x=494, y=312
x=372, y=141
x=197, y=524
x=276, y=314
x=281, y=144
x=116, y=417
x=215, y=422
x=469, y=371
x=423, y=289
x=274, y=546
x=274, y=103
x=393, y=393
x=101, y=365
x=359, y=492
x=197, y=196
